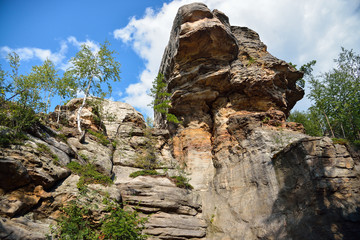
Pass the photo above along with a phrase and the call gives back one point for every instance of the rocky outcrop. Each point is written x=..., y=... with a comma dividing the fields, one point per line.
x=254, y=175
x=318, y=191
x=35, y=182
x=207, y=61
x=233, y=98
x=175, y=212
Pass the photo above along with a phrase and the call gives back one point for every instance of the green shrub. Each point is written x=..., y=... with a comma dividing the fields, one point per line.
x=356, y=143
x=8, y=138
x=101, y=137
x=146, y=158
x=340, y=141
x=46, y=150
x=74, y=223
x=83, y=156
x=182, y=182
x=144, y=173
x=88, y=174
x=120, y=224
x=77, y=222
x=251, y=61
x=114, y=144
x=62, y=137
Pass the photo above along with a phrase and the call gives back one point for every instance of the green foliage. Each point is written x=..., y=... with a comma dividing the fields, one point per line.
x=120, y=224
x=28, y=94
x=340, y=141
x=74, y=223
x=114, y=144
x=307, y=69
x=19, y=114
x=336, y=97
x=77, y=222
x=9, y=137
x=356, y=144
x=18, y=117
x=161, y=102
x=147, y=159
x=101, y=65
x=251, y=61
x=88, y=174
x=46, y=78
x=62, y=137
x=83, y=156
x=310, y=120
x=100, y=136
x=91, y=70
x=144, y=173
x=44, y=149
x=182, y=182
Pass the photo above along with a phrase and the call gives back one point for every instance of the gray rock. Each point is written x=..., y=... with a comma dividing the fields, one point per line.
x=94, y=153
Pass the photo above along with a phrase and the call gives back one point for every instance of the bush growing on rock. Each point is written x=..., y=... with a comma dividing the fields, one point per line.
x=77, y=221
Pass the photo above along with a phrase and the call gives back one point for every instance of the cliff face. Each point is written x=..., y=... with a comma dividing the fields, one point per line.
x=255, y=176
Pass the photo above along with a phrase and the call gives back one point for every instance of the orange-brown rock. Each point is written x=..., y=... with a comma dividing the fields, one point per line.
x=207, y=60
x=233, y=98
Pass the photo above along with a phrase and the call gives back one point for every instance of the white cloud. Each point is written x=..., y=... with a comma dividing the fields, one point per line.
x=296, y=31
x=94, y=47
x=80, y=94
x=58, y=58
x=28, y=53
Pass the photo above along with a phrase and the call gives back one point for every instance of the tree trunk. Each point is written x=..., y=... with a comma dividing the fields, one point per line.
x=342, y=129
x=332, y=133
x=48, y=103
x=83, y=104
x=59, y=111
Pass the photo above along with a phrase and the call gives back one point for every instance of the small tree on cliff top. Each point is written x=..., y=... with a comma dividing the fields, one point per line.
x=91, y=69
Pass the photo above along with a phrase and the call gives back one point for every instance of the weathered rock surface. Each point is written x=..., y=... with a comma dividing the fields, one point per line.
x=175, y=212
x=233, y=98
x=207, y=60
x=255, y=176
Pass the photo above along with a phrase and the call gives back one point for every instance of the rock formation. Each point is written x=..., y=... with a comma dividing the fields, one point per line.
x=254, y=175
x=233, y=98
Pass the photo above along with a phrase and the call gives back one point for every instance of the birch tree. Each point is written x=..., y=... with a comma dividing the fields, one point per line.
x=46, y=77
x=92, y=70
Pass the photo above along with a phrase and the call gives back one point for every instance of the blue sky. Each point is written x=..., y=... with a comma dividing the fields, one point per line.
x=296, y=31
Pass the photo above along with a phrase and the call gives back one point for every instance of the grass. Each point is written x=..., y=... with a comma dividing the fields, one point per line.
x=88, y=174
x=62, y=137
x=101, y=137
x=340, y=141
x=45, y=149
x=144, y=173
x=182, y=182
x=83, y=156
x=251, y=61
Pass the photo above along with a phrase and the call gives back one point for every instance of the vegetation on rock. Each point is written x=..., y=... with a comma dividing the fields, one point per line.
x=77, y=222
x=88, y=174
x=144, y=173
x=161, y=103
x=91, y=69
x=147, y=159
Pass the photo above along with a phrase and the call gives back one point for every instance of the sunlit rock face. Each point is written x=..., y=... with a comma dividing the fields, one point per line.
x=207, y=61
x=254, y=175
x=233, y=98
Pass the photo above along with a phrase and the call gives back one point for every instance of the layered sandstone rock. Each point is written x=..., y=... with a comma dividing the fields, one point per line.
x=255, y=176
x=35, y=183
x=207, y=61
x=233, y=98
